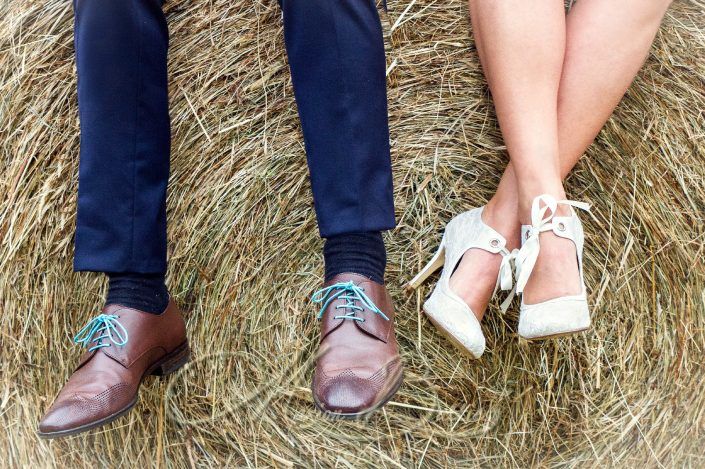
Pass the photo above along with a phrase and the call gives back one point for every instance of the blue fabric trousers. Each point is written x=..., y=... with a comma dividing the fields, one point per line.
x=336, y=56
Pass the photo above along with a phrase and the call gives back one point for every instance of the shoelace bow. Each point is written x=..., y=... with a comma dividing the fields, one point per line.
x=541, y=220
x=349, y=292
x=100, y=328
x=505, y=280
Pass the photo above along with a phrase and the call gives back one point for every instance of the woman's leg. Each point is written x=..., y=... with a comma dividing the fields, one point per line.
x=521, y=46
x=606, y=44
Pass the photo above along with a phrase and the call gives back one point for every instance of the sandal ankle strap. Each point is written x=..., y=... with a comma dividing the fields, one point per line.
x=542, y=219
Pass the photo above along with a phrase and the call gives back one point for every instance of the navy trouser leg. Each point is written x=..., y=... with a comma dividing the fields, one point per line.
x=336, y=55
x=121, y=55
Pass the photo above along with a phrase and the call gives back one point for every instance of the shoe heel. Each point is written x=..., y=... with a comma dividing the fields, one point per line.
x=434, y=264
x=173, y=361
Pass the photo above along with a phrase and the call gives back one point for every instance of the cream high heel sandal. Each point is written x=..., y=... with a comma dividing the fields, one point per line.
x=446, y=310
x=559, y=316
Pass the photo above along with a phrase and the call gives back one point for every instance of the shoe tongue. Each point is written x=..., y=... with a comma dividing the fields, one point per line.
x=120, y=354
x=89, y=356
x=525, y=233
x=374, y=324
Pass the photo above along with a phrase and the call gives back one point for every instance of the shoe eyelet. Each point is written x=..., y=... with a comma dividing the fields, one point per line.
x=494, y=243
x=561, y=226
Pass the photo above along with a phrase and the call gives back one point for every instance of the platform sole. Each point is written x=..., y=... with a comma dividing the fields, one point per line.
x=556, y=336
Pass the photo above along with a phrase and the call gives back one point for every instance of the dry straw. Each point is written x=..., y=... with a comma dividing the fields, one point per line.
x=245, y=256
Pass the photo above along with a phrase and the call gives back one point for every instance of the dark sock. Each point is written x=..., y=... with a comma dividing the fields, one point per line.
x=359, y=253
x=145, y=292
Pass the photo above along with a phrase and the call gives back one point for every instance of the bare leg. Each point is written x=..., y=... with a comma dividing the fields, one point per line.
x=521, y=46
x=606, y=44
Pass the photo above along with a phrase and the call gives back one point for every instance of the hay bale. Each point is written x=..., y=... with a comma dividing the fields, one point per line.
x=245, y=256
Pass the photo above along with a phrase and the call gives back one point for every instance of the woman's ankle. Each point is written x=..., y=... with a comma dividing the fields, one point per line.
x=527, y=196
x=502, y=214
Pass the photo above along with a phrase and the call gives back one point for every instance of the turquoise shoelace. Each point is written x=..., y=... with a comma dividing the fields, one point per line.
x=352, y=294
x=100, y=328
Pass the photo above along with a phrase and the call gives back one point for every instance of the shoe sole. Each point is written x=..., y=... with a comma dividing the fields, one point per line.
x=450, y=337
x=164, y=367
x=556, y=336
x=357, y=415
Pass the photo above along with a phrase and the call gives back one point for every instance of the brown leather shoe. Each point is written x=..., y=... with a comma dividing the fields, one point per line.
x=358, y=368
x=124, y=346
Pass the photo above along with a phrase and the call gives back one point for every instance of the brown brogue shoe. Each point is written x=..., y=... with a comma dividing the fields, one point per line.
x=124, y=346
x=358, y=367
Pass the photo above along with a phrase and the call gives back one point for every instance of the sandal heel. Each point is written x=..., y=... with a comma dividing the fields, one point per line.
x=172, y=362
x=434, y=264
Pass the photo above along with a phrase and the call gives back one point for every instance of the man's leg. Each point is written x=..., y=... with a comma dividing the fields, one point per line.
x=336, y=55
x=121, y=53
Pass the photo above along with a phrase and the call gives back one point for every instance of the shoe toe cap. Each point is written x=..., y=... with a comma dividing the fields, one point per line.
x=74, y=412
x=455, y=319
x=64, y=416
x=555, y=317
x=349, y=393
